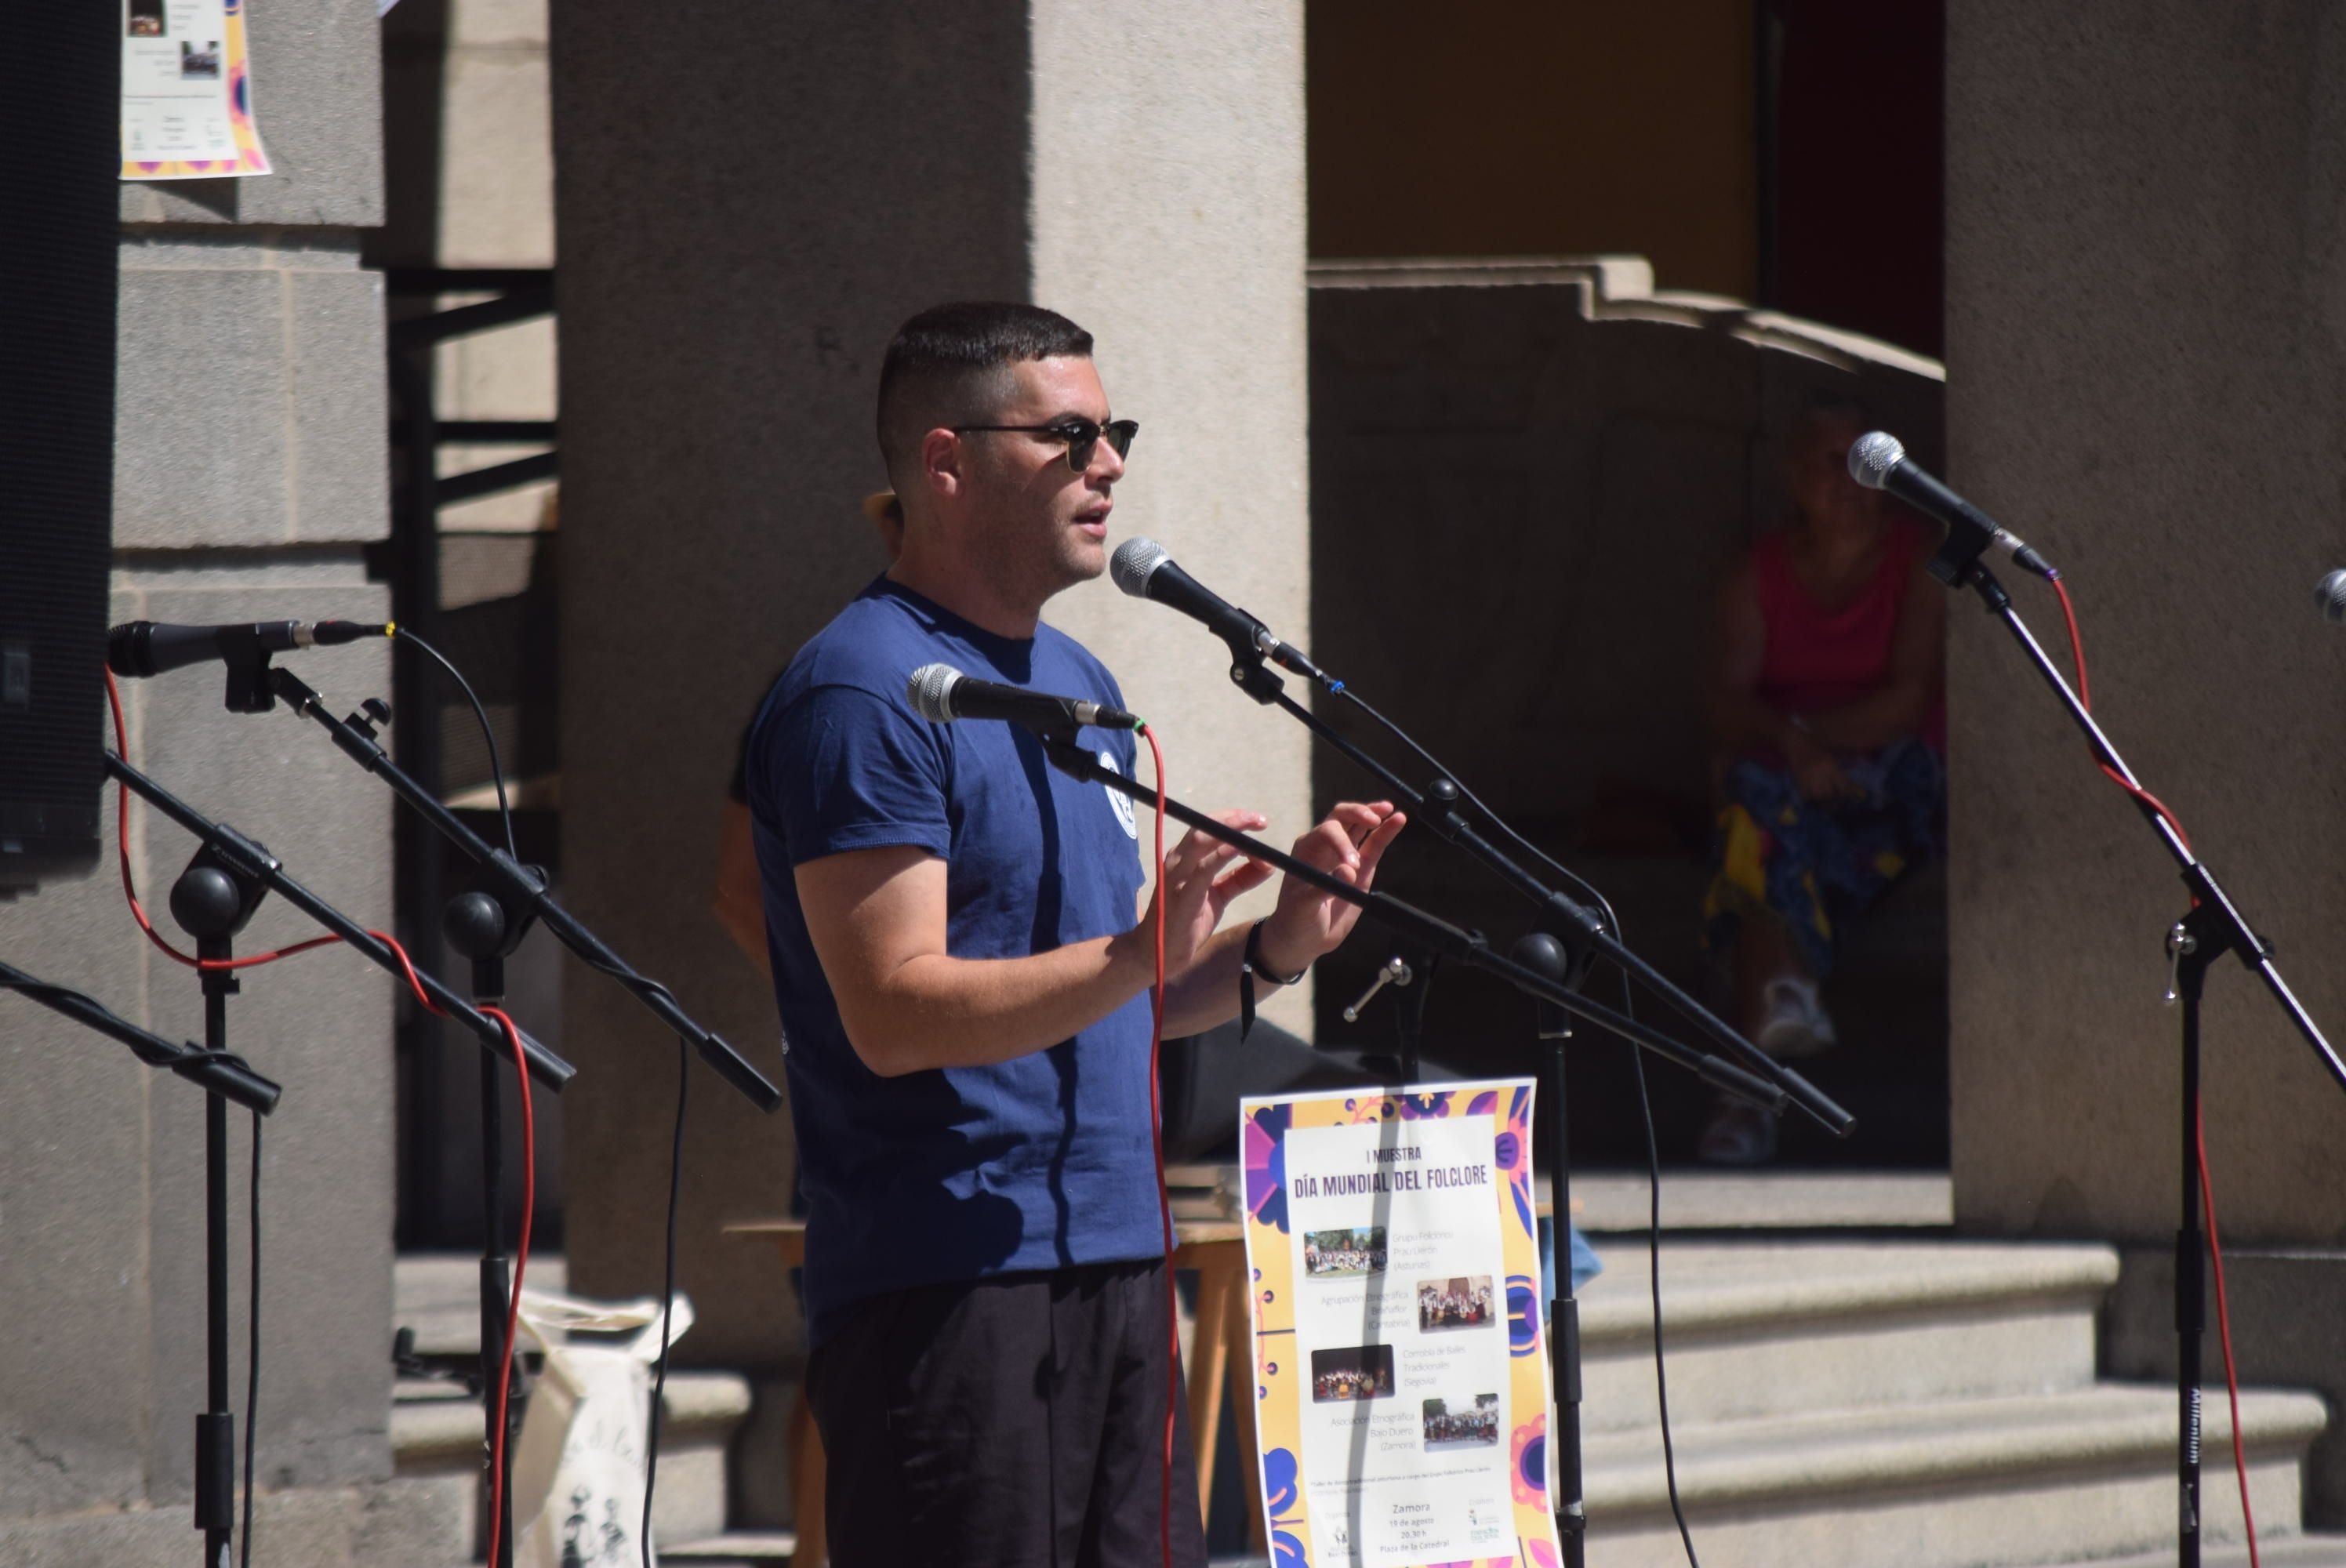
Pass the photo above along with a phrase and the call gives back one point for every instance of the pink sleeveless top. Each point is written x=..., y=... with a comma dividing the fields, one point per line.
x=1820, y=659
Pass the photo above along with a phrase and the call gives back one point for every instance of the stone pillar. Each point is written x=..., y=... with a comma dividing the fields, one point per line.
x=2147, y=353
x=745, y=216
x=249, y=473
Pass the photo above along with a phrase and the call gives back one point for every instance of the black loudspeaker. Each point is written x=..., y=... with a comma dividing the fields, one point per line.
x=58, y=276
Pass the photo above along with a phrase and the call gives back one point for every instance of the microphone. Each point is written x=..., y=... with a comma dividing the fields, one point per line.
x=150, y=648
x=1143, y=568
x=940, y=694
x=2330, y=595
x=1879, y=462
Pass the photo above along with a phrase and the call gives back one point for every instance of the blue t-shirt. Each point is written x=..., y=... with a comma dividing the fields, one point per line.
x=1042, y=1162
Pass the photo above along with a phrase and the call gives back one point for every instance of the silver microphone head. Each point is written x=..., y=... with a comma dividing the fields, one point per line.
x=1133, y=562
x=930, y=691
x=2330, y=595
x=1872, y=456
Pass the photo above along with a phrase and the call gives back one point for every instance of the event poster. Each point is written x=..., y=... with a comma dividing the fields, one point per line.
x=1401, y=1369
x=187, y=92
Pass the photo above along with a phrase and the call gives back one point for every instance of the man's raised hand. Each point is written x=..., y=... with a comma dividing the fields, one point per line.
x=1347, y=844
x=1203, y=875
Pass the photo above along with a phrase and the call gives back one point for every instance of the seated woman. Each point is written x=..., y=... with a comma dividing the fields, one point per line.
x=1829, y=716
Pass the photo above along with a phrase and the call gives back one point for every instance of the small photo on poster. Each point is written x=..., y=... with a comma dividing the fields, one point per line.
x=147, y=19
x=1462, y=1425
x=198, y=64
x=1341, y=1254
x=1463, y=1302
x=1355, y=1372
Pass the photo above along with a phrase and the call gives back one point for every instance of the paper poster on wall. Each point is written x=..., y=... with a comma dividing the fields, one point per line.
x=1400, y=1366
x=187, y=92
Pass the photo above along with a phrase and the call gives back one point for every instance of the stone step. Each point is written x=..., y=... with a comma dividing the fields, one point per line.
x=2062, y=1477
x=736, y=1548
x=437, y=1295
x=1771, y=1201
x=1756, y=1329
x=436, y=1431
x=2286, y=1552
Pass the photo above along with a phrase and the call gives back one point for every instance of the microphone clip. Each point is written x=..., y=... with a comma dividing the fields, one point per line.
x=1251, y=676
x=248, y=688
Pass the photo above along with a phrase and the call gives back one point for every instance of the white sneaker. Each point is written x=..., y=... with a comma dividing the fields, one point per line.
x=1796, y=1026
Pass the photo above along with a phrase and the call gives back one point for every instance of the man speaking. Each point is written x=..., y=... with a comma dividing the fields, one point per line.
x=964, y=985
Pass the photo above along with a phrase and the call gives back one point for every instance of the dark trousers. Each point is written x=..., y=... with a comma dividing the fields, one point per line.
x=1016, y=1421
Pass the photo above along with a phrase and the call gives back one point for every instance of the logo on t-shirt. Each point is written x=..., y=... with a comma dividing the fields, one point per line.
x=1122, y=803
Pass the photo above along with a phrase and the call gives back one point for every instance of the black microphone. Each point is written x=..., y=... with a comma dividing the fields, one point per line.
x=150, y=648
x=2330, y=595
x=1143, y=568
x=1879, y=462
x=940, y=694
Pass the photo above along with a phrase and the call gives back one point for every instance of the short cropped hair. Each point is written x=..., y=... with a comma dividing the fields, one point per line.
x=951, y=364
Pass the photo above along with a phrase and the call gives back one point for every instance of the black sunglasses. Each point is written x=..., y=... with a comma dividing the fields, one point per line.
x=1081, y=435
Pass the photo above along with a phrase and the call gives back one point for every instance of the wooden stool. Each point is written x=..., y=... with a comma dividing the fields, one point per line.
x=1219, y=1352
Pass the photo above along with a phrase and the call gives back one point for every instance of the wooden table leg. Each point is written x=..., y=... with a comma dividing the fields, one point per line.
x=1240, y=1335
x=1218, y=1283
x=808, y=1472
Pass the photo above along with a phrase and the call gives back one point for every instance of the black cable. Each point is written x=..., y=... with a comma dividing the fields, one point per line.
x=1587, y=888
x=496, y=771
x=252, y=1341
x=667, y=1292
x=1645, y=1105
x=1653, y=1222
x=1653, y=1275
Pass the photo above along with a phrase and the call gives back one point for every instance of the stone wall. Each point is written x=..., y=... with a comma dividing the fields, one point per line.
x=249, y=473
x=2146, y=363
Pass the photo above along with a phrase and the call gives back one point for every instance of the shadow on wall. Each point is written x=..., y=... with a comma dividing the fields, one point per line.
x=1528, y=478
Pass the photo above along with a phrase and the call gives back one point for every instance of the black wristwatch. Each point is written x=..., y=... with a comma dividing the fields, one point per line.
x=1252, y=964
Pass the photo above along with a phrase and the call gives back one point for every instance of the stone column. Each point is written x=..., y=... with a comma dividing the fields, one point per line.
x=2147, y=353
x=745, y=216
x=249, y=473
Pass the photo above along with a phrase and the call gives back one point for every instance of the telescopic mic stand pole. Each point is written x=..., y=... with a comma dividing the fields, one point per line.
x=484, y=929
x=1541, y=952
x=211, y=902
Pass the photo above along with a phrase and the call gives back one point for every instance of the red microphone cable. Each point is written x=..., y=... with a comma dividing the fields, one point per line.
x=521, y=1267
x=2198, y=1122
x=1164, y=1197
x=137, y=911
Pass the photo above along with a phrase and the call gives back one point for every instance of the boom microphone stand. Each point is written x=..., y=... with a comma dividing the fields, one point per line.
x=1568, y=935
x=1539, y=967
x=2213, y=927
x=233, y=849
x=519, y=891
x=237, y=873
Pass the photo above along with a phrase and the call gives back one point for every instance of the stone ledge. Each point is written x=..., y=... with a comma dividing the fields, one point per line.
x=398, y=1523
x=1945, y=1445
x=1739, y=1285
